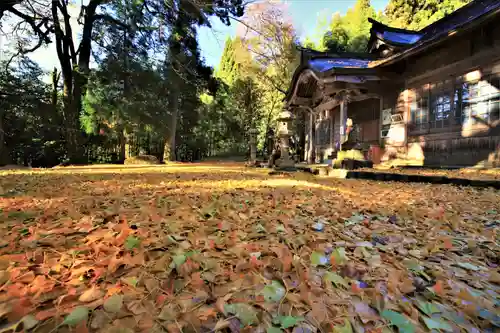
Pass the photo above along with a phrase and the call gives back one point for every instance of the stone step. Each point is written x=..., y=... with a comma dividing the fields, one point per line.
x=326, y=170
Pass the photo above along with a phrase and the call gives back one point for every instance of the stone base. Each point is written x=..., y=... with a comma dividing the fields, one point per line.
x=281, y=163
x=282, y=170
x=287, y=168
x=350, y=164
x=253, y=164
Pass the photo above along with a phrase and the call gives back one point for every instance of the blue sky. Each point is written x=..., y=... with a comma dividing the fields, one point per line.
x=306, y=14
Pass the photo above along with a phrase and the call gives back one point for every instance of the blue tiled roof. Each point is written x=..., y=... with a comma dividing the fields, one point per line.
x=401, y=38
x=325, y=64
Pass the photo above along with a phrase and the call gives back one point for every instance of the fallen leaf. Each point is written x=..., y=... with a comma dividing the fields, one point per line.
x=136, y=307
x=114, y=303
x=494, y=277
x=99, y=319
x=338, y=257
x=427, y=308
x=91, y=295
x=318, y=259
x=274, y=292
x=77, y=316
x=29, y=322
x=336, y=279
x=437, y=324
x=244, y=312
x=365, y=312
x=289, y=321
x=401, y=322
x=346, y=328
x=167, y=313
x=132, y=242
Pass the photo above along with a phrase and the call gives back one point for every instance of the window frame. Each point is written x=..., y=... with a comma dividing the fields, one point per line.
x=483, y=101
x=442, y=89
x=463, y=100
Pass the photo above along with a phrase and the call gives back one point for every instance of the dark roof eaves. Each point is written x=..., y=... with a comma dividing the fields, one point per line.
x=450, y=16
x=436, y=39
x=325, y=74
x=385, y=27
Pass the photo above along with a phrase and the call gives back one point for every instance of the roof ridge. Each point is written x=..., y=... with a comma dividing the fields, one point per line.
x=387, y=27
x=454, y=14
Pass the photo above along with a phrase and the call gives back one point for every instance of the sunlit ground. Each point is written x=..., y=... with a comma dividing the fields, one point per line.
x=120, y=230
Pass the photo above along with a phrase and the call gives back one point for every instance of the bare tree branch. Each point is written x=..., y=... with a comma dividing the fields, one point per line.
x=111, y=19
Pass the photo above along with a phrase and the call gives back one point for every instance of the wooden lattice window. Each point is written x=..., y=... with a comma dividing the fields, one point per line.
x=419, y=108
x=440, y=104
x=478, y=101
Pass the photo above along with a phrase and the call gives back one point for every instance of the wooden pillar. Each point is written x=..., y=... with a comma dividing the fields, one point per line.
x=343, y=119
x=310, y=147
x=331, y=114
x=380, y=119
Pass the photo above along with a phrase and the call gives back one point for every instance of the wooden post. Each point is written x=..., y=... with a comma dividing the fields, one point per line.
x=310, y=147
x=343, y=118
x=331, y=114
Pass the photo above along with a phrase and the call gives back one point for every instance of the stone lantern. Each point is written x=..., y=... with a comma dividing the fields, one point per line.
x=284, y=134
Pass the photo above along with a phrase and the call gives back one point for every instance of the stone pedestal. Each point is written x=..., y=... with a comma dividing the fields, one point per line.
x=285, y=163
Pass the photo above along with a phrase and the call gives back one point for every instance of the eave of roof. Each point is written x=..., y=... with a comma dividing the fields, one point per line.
x=451, y=25
x=391, y=36
x=356, y=73
x=460, y=21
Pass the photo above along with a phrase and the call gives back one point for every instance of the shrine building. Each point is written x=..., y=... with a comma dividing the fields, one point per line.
x=429, y=97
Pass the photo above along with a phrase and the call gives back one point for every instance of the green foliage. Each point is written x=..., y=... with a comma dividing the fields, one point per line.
x=256, y=71
x=337, y=39
x=417, y=14
x=30, y=125
x=145, y=90
x=348, y=33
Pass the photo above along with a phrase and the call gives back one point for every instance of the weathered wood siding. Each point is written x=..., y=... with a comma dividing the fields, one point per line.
x=446, y=71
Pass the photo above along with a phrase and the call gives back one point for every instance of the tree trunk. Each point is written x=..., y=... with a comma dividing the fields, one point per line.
x=55, y=80
x=4, y=154
x=122, y=142
x=70, y=123
x=75, y=70
x=169, y=151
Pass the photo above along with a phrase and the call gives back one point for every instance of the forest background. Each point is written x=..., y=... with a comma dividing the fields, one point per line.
x=134, y=81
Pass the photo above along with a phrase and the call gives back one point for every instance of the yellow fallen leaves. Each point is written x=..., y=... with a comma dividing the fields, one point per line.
x=90, y=295
x=176, y=244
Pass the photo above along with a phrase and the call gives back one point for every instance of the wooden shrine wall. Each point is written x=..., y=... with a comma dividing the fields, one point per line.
x=460, y=63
